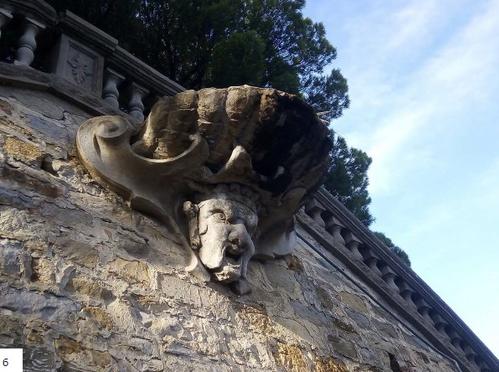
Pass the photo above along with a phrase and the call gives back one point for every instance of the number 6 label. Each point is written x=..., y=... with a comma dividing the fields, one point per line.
x=11, y=360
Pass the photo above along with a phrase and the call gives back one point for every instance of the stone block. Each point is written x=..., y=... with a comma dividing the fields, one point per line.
x=79, y=65
x=10, y=331
x=360, y=319
x=329, y=365
x=132, y=271
x=24, y=151
x=338, y=323
x=343, y=347
x=42, y=271
x=290, y=357
x=100, y=316
x=93, y=289
x=37, y=305
x=354, y=301
x=9, y=257
x=77, y=356
x=386, y=329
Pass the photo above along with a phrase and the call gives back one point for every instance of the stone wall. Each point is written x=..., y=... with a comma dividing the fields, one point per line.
x=87, y=284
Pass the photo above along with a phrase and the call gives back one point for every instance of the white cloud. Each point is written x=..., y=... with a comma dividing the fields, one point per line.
x=377, y=39
x=457, y=74
x=412, y=24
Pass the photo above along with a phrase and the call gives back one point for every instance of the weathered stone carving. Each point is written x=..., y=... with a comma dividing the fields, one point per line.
x=78, y=64
x=224, y=169
x=79, y=68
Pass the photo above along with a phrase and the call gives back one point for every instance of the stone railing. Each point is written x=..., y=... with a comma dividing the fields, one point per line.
x=75, y=52
x=341, y=233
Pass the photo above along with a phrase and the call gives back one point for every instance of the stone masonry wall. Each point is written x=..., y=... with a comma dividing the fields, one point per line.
x=87, y=284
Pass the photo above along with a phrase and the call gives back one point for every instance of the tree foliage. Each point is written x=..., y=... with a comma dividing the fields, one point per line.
x=347, y=179
x=236, y=60
x=395, y=249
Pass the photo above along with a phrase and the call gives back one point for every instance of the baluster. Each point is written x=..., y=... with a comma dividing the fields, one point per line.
x=469, y=352
x=5, y=17
x=388, y=276
x=314, y=210
x=455, y=339
x=110, y=92
x=25, y=53
x=423, y=308
x=483, y=366
x=372, y=260
x=353, y=243
x=406, y=292
x=135, y=105
x=334, y=227
x=440, y=323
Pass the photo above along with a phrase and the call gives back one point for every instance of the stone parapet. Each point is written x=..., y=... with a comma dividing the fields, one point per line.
x=65, y=45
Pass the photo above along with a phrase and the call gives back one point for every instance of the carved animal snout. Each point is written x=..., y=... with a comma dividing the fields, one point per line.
x=240, y=238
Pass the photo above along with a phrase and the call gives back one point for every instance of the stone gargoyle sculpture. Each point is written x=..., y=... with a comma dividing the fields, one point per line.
x=224, y=169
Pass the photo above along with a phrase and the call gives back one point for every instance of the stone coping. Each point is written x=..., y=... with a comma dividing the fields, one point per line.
x=32, y=8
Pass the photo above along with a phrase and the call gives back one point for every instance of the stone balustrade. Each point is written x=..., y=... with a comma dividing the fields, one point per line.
x=33, y=35
x=360, y=247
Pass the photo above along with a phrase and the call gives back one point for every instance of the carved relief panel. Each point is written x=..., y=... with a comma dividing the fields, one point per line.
x=79, y=65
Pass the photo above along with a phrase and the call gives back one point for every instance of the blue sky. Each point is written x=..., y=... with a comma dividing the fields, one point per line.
x=424, y=85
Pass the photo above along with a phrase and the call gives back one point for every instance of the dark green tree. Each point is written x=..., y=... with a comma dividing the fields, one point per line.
x=296, y=54
x=116, y=17
x=331, y=104
x=347, y=179
x=237, y=60
x=395, y=249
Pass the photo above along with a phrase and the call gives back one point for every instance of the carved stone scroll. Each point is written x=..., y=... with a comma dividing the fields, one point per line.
x=225, y=169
